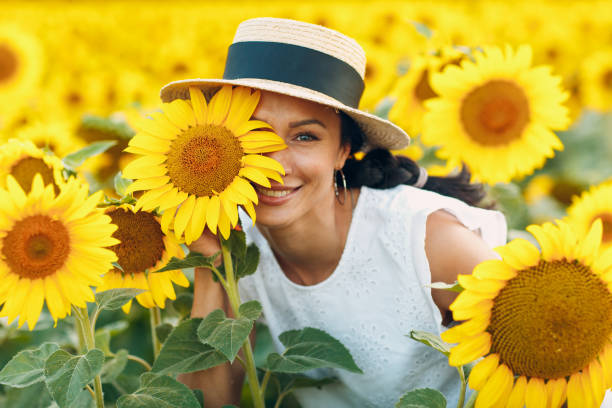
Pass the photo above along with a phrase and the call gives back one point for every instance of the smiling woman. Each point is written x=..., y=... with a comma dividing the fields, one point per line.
x=347, y=246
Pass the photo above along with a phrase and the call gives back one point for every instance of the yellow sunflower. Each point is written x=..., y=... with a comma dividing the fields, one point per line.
x=21, y=60
x=52, y=248
x=596, y=80
x=198, y=159
x=542, y=320
x=23, y=160
x=57, y=136
x=496, y=114
x=590, y=206
x=142, y=250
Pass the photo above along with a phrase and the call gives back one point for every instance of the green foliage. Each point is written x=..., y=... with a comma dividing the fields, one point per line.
x=66, y=375
x=74, y=160
x=310, y=348
x=431, y=340
x=192, y=260
x=251, y=310
x=248, y=265
x=422, y=398
x=163, y=331
x=34, y=396
x=159, y=391
x=113, y=299
x=114, y=366
x=27, y=366
x=183, y=352
x=102, y=339
x=225, y=334
x=121, y=184
x=422, y=29
x=182, y=304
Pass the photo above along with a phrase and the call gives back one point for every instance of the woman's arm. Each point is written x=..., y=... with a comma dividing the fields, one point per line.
x=221, y=385
x=451, y=249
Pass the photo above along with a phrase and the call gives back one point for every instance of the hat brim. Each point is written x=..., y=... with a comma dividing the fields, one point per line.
x=379, y=133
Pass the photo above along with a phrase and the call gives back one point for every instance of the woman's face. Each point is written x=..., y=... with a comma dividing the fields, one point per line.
x=312, y=134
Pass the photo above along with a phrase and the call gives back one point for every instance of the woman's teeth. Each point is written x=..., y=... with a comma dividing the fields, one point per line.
x=272, y=193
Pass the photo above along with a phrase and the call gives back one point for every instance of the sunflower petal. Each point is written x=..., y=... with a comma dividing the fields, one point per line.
x=264, y=162
x=535, y=394
x=198, y=103
x=198, y=219
x=212, y=213
x=183, y=216
x=519, y=253
x=589, y=246
x=179, y=113
x=556, y=392
x=219, y=105
x=251, y=125
x=470, y=350
x=482, y=371
x=496, y=386
x=517, y=396
x=254, y=175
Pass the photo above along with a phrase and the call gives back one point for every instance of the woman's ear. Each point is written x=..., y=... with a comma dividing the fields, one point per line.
x=343, y=154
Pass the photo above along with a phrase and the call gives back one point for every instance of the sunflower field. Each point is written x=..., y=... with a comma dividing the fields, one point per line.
x=97, y=206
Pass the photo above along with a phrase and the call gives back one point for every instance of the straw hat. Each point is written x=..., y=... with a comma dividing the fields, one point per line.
x=302, y=60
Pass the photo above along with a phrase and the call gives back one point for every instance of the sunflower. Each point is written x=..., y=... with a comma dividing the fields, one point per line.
x=21, y=61
x=542, y=320
x=592, y=205
x=143, y=249
x=414, y=88
x=596, y=80
x=496, y=114
x=198, y=159
x=57, y=136
x=23, y=160
x=52, y=248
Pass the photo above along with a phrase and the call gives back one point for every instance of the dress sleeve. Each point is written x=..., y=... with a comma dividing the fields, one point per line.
x=490, y=225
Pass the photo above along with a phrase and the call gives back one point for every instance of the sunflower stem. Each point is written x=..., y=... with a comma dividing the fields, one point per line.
x=140, y=361
x=155, y=314
x=87, y=331
x=463, y=387
x=234, y=298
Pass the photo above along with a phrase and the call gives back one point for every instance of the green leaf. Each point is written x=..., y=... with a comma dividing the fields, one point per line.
x=384, y=107
x=422, y=398
x=34, y=396
x=251, y=310
x=199, y=396
x=183, y=303
x=310, y=348
x=293, y=381
x=431, y=340
x=121, y=184
x=102, y=339
x=183, y=352
x=66, y=375
x=113, y=299
x=159, y=391
x=236, y=243
x=74, y=160
x=192, y=260
x=114, y=366
x=225, y=334
x=451, y=287
x=27, y=366
x=248, y=265
x=422, y=29
x=163, y=331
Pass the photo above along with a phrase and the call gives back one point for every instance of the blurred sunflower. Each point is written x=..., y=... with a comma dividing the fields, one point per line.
x=53, y=249
x=590, y=206
x=57, y=136
x=143, y=249
x=380, y=74
x=21, y=61
x=414, y=88
x=198, y=159
x=23, y=160
x=596, y=80
x=544, y=317
x=496, y=115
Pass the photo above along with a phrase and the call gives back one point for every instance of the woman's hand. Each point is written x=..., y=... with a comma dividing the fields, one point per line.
x=208, y=245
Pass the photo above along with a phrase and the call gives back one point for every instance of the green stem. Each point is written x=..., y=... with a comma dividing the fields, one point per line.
x=264, y=383
x=472, y=400
x=280, y=399
x=140, y=361
x=90, y=343
x=463, y=387
x=79, y=329
x=155, y=314
x=234, y=298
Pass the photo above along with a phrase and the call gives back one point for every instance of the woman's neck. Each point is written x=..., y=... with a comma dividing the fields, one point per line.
x=309, y=249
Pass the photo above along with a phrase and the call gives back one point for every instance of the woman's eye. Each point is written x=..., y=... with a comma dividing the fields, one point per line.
x=305, y=137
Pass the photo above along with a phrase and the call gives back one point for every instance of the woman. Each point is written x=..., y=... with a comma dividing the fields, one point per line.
x=347, y=246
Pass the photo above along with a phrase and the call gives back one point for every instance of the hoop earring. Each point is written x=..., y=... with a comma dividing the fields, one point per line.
x=336, y=192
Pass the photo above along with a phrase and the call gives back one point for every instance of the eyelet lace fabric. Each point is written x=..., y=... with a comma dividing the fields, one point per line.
x=375, y=297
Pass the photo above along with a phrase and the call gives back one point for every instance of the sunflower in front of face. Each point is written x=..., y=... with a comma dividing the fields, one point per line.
x=23, y=160
x=143, y=249
x=199, y=160
x=496, y=115
x=53, y=247
x=542, y=320
x=590, y=206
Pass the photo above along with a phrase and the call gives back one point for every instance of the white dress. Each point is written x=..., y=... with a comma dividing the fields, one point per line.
x=377, y=294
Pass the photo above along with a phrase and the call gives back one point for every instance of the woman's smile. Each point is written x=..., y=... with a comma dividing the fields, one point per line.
x=275, y=195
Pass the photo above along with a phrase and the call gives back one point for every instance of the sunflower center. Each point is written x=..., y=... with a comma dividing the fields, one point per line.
x=142, y=243
x=204, y=159
x=8, y=63
x=495, y=113
x=551, y=320
x=606, y=79
x=25, y=169
x=36, y=246
x=606, y=221
x=423, y=90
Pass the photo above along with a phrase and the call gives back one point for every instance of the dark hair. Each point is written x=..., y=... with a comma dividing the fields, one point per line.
x=381, y=169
